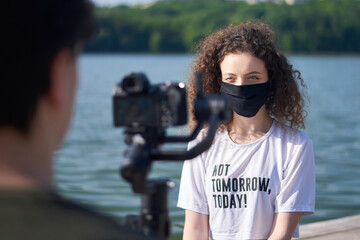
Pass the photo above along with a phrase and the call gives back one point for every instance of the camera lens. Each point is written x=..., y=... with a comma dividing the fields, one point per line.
x=135, y=83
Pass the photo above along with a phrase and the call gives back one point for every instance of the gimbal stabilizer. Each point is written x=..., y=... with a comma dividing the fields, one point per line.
x=144, y=149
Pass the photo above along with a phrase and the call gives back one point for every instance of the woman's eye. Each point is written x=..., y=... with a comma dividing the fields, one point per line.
x=229, y=79
x=253, y=78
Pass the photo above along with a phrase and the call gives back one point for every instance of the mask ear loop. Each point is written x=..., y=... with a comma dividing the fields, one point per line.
x=270, y=98
x=224, y=125
x=219, y=81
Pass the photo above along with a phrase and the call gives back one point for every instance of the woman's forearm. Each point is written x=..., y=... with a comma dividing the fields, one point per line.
x=285, y=225
x=196, y=226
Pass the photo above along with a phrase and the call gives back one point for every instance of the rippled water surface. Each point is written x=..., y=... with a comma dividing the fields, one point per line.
x=87, y=166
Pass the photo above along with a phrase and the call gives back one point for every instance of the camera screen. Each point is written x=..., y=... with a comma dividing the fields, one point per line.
x=135, y=111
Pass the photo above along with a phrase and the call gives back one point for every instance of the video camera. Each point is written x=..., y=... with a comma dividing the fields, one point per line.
x=146, y=111
x=138, y=105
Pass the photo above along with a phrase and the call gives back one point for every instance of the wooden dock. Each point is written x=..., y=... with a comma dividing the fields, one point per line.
x=347, y=228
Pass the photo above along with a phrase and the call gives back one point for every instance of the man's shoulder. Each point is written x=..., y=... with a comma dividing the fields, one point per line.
x=78, y=212
x=47, y=215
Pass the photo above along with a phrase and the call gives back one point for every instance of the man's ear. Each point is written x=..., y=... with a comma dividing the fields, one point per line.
x=59, y=77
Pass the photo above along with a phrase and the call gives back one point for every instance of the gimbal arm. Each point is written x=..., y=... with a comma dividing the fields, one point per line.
x=193, y=152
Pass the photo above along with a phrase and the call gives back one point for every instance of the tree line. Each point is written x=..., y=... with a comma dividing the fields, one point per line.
x=175, y=26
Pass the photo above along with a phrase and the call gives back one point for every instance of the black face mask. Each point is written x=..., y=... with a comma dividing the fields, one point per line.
x=246, y=100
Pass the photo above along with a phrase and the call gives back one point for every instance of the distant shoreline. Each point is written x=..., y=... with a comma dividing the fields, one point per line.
x=176, y=26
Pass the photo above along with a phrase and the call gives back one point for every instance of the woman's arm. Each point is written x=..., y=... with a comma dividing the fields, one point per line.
x=284, y=225
x=196, y=226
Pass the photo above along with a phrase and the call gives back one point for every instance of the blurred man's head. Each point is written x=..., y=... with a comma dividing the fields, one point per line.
x=40, y=41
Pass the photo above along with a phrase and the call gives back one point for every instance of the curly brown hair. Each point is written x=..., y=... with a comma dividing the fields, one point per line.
x=286, y=101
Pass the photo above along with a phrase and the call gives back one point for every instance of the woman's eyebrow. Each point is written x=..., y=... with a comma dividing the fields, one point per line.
x=253, y=72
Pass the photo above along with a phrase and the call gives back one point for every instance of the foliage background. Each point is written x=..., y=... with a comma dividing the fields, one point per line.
x=174, y=26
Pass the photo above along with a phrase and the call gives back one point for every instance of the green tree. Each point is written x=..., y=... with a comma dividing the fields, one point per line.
x=177, y=25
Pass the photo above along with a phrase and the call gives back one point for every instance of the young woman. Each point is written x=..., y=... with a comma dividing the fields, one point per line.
x=258, y=178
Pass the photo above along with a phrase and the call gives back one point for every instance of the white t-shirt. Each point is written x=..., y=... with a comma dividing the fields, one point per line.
x=241, y=187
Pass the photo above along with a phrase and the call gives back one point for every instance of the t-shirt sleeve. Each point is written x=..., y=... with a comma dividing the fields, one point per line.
x=297, y=192
x=192, y=184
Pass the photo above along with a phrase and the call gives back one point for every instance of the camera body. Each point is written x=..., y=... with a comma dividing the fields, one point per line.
x=139, y=105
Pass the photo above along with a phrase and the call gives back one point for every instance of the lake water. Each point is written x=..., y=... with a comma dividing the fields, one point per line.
x=87, y=166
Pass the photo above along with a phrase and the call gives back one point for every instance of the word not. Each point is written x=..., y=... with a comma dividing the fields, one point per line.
x=220, y=169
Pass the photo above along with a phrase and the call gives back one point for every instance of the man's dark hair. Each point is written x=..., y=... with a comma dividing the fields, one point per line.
x=32, y=33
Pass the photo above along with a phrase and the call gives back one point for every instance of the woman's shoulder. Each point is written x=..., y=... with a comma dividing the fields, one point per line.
x=290, y=135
